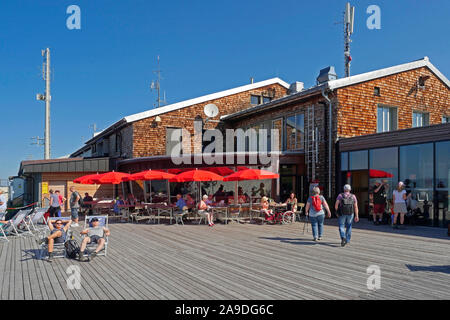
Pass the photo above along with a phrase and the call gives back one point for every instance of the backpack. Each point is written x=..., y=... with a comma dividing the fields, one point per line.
x=72, y=248
x=316, y=203
x=347, y=206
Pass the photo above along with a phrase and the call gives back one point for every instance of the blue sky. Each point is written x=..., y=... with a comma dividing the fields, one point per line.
x=103, y=71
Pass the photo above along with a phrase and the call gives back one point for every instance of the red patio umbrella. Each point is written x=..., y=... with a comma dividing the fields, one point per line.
x=87, y=179
x=196, y=175
x=379, y=174
x=177, y=171
x=112, y=177
x=150, y=175
x=251, y=174
x=222, y=171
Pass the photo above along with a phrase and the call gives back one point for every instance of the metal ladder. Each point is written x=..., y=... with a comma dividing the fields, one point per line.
x=311, y=144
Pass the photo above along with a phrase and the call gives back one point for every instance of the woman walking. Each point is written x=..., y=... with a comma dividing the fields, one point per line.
x=399, y=205
x=315, y=210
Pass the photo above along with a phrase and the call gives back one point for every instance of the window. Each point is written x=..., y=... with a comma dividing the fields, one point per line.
x=420, y=119
x=385, y=159
x=445, y=119
x=255, y=99
x=294, y=132
x=94, y=148
x=344, y=161
x=266, y=99
x=173, y=141
x=358, y=160
x=376, y=91
x=118, y=143
x=386, y=119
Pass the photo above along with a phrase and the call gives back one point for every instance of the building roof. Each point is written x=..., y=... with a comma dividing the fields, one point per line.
x=344, y=82
x=187, y=103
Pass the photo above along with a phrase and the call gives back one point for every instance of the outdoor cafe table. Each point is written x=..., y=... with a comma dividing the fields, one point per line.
x=162, y=209
x=220, y=210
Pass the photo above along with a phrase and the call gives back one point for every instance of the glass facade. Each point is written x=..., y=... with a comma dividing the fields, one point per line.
x=424, y=168
x=385, y=161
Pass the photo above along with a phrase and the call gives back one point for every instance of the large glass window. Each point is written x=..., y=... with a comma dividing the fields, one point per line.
x=344, y=161
x=386, y=119
x=442, y=181
x=416, y=171
x=385, y=162
x=294, y=132
x=358, y=160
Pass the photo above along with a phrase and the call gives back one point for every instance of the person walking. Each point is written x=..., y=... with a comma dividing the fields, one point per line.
x=315, y=210
x=346, y=207
x=379, y=201
x=74, y=205
x=54, y=204
x=62, y=200
x=399, y=199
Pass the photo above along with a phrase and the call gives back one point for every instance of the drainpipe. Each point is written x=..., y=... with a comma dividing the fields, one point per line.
x=329, y=140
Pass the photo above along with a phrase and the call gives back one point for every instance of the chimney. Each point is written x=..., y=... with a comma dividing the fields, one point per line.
x=252, y=80
x=326, y=74
x=295, y=87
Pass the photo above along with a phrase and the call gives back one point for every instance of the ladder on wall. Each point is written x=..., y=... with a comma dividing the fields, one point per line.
x=311, y=133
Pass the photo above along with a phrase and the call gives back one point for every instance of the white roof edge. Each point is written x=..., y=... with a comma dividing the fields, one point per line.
x=208, y=97
x=339, y=83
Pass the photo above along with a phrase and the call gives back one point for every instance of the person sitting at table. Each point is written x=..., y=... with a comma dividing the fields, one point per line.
x=270, y=215
x=203, y=208
x=291, y=202
x=190, y=202
x=131, y=200
x=180, y=202
x=119, y=201
x=220, y=194
x=210, y=200
x=87, y=198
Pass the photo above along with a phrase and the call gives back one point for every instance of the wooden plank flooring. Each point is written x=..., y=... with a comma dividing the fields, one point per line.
x=238, y=261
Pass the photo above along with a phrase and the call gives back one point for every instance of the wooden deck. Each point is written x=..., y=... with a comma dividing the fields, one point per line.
x=238, y=261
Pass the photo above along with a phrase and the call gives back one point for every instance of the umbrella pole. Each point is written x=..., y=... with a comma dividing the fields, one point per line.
x=131, y=188
x=123, y=191
x=150, y=191
x=235, y=192
x=144, y=183
x=168, y=192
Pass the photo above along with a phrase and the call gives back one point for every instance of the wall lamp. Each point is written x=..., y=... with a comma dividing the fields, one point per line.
x=156, y=121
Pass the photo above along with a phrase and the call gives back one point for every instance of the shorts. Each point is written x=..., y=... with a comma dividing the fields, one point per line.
x=400, y=207
x=54, y=211
x=74, y=213
x=379, y=208
x=95, y=238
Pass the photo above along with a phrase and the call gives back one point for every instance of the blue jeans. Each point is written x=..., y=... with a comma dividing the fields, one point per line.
x=345, y=226
x=317, y=225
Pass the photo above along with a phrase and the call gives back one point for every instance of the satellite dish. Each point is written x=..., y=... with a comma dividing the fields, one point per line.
x=211, y=110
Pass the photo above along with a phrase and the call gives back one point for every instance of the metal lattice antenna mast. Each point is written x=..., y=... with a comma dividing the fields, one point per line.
x=348, y=31
x=157, y=86
x=47, y=98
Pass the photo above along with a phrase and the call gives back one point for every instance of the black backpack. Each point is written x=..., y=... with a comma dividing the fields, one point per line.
x=347, y=206
x=72, y=248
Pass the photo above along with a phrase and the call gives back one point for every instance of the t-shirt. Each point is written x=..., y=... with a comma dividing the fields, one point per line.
x=312, y=210
x=399, y=196
x=379, y=197
x=181, y=203
x=3, y=206
x=96, y=232
x=73, y=198
x=55, y=200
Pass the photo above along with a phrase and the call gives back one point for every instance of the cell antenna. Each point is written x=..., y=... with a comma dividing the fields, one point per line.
x=349, y=18
x=156, y=85
x=47, y=98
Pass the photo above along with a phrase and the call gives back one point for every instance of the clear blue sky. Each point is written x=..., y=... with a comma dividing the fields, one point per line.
x=103, y=71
